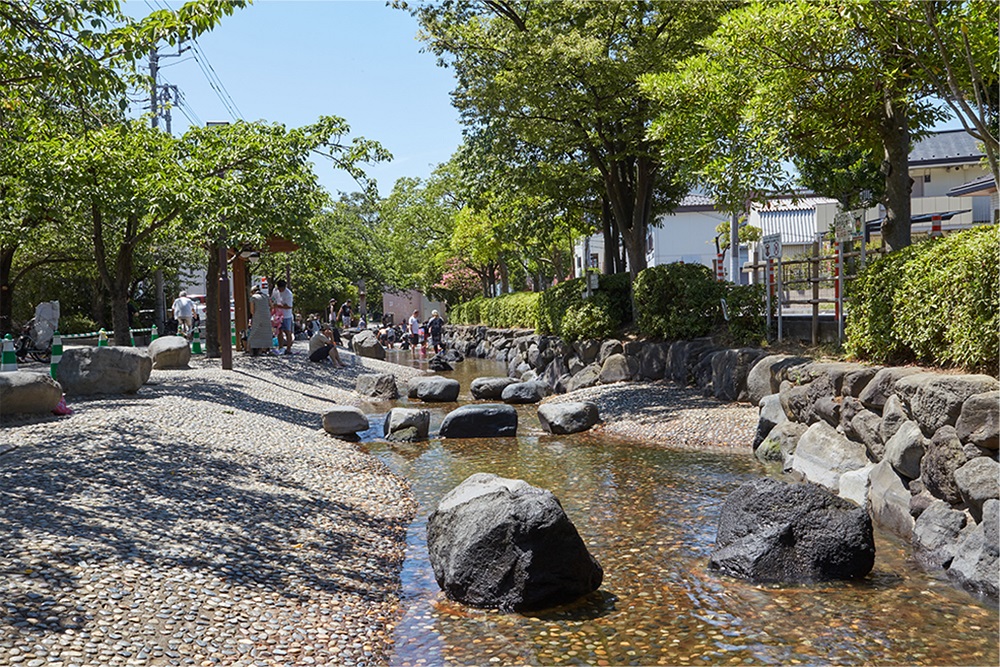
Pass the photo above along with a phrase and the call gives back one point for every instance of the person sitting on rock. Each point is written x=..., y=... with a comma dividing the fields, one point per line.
x=323, y=345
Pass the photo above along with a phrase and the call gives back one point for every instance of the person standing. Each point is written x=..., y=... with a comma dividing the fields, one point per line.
x=331, y=313
x=435, y=327
x=282, y=299
x=413, y=326
x=259, y=338
x=346, y=313
x=183, y=309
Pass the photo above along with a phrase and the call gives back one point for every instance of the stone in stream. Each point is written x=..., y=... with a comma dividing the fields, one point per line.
x=381, y=386
x=503, y=544
x=482, y=420
x=524, y=392
x=490, y=388
x=406, y=425
x=564, y=418
x=437, y=390
x=775, y=531
x=439, y=363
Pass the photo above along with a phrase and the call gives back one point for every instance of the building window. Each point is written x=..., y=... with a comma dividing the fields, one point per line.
x=593, y=260
x=578, y=261
x=927, y=178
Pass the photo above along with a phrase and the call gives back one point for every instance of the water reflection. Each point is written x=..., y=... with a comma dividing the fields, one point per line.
x=649, y=517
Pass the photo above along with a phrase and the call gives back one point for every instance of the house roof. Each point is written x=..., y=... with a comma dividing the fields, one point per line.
x=942, y=148
x=979, y=186
x=695, y=201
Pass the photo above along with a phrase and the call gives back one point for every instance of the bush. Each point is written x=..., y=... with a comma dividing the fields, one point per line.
x=561, y=310
x=517, y=310
x=937, y=302
x=76, y=324
x=678, y=301
x=747, y=314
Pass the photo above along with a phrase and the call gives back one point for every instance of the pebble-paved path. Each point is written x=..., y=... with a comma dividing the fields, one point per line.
x=206, y=520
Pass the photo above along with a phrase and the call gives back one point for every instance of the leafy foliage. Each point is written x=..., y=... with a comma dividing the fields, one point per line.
x=565, y=301
x=517, y=310
x=938, y=302
x=678, y=301
x=747, y=323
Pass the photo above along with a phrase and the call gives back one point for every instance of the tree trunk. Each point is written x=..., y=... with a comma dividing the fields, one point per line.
x=97, y=309
x=895, y=134
x=629, y=190
x=212, y=349
x=610, y=232
x=119, y=295
x=504, y=277
x=6, y=289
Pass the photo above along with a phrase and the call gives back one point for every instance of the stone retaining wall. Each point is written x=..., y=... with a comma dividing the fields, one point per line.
x=917, y=449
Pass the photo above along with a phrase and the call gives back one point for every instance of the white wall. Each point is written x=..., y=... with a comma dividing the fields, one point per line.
x=688, y=237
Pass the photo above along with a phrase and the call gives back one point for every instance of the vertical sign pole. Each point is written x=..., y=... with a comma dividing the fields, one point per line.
x=780, y=299
x=767, y=286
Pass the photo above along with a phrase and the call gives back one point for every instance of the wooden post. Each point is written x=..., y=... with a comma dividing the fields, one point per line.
x=240, y=298
x=814, y=278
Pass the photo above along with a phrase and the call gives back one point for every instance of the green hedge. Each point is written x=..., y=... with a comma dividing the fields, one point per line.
x=747, y=305
x=936, y=302
x=517, y=310
x=678, y=301
x=562, y=310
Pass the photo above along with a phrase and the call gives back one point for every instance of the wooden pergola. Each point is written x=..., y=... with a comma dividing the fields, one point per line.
x=240, y=275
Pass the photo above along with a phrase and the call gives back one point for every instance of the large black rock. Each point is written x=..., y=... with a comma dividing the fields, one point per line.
x=480, y=420
x=775, y=531
x=503, y=544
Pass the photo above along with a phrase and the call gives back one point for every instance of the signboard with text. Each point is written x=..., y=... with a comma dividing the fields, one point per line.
x=771, y=246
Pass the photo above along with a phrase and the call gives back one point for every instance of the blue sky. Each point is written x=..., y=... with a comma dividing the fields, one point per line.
x=293, y=61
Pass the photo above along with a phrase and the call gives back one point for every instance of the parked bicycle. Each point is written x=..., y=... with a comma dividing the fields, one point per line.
x=35, y=340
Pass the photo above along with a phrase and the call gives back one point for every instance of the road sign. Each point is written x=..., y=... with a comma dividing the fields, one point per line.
x=771, y=246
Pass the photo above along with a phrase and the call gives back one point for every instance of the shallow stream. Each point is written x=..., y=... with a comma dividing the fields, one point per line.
x=649, y=517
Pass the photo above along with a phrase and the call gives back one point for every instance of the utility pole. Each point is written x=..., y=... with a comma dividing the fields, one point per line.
x=160, y=315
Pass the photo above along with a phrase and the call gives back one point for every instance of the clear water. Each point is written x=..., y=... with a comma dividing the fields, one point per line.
x=649, y=517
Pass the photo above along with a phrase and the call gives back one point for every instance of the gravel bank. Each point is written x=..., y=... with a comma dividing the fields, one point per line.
x=206, y=520
x=664, y=414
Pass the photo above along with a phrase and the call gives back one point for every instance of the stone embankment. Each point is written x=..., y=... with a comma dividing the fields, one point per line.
x=917, y=449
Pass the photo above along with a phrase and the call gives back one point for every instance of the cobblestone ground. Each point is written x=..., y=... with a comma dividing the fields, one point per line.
x=662, y=413
x=205, y=520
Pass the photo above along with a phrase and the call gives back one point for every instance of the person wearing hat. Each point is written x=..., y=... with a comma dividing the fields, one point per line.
x=435, y=328
x=184, y=313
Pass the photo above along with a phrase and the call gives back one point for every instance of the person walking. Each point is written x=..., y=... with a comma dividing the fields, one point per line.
x=259, y=338
x=346, y=313
x=435, y=328
x=413, y=327
x=282, y=299
x=183, y=309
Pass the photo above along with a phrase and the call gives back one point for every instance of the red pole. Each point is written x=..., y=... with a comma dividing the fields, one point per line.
x=935, y=225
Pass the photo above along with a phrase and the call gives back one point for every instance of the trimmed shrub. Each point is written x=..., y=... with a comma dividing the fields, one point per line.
x=937, y=302
x=517, y=310
x=76, y=323
x=747, y=314
x=678, y=301
x=561, y=310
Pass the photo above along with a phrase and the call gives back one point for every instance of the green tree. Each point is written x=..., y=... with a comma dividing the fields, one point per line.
x=801, y=75
x=562, y=78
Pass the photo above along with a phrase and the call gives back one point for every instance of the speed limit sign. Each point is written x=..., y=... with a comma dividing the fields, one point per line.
x=771, y=245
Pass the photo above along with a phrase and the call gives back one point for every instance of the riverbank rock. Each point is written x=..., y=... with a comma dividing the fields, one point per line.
x=503, y=544
x=103, y=370
x=771, y=414
x=344, y=420
x=823, y=455
x=730, y=369
x=170, y=353
x=587, y=377
x=365, y=344
x=490, y=388
x=563, y=418
x=975, y=565
x=775, y=531
x=406, y=425
x=617, y=368
x=381, y=386
x=935, y=399
x=978, y=481
x=22, y=392
x=481, y=420
x=936, y=534
x=437, y=390
x=979, y=420
x=780, y=444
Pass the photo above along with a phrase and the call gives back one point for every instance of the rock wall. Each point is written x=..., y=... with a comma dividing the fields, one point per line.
x=917, y=449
